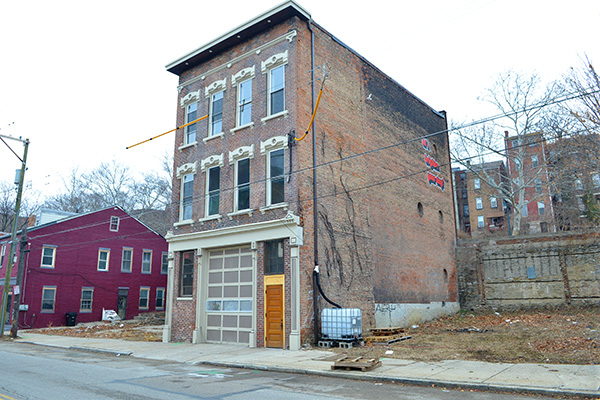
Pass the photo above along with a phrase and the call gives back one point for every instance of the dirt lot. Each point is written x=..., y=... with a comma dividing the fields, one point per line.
x=564, y=336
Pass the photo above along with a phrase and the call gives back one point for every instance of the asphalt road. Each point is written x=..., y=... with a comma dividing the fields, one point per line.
x=40, y=372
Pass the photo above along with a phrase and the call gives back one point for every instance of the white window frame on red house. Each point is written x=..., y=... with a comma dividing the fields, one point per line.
x=479, y=203
x=160, y=298
x=123, y=259
x=114, y=224
x=146, y=290
x=146, y=262
x=45, y=298
x=101, y=260
x=164, y=263
x=52, y=250
x=85, y=300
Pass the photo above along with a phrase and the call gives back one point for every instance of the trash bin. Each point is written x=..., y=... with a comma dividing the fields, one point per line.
x=71, y=318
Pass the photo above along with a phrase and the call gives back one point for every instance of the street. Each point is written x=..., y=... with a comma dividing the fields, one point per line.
x=41, y=372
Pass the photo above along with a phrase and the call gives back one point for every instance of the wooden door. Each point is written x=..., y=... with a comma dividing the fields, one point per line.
x=274, y=316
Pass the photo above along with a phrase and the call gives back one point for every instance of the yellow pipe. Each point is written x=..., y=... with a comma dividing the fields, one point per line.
x=313, y=116
x=162, y=134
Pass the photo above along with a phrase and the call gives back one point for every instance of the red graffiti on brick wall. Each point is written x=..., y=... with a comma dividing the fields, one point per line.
x=431, y=163
x=435, y=181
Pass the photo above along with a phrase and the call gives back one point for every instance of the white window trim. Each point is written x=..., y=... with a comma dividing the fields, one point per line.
x=242, y=76
x=54, y=290
x=240, y=153
x=269, y=178
x=476, y=183
x=185, y=169
x=147, y=290
x=110, y=223
x=274, y=143
x=276, y=60
x=47, y=246
x=160, y=289
x=103, y=250
x=85, y=310
x=236, y=188
x=130, y=261
x=209, y=91
x=151, y=254
x=480, y=218
x=207, y=194
x=479, y=203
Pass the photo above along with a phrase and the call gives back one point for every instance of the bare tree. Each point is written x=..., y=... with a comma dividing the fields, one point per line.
x=522, y=103
x=8, y=197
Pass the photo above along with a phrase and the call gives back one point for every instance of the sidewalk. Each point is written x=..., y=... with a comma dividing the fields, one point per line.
x=542, y=379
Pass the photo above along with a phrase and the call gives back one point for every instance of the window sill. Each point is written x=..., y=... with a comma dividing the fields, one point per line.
x=182, y=223
x=274, y=207
x=218, y=135
x=185, y=146
x=211, y=218
x=242, y=212
x=190, y=298
x=283, y=113
x=239, y=128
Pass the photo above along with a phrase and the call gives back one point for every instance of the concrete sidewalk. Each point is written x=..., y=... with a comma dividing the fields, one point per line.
x=550, y=379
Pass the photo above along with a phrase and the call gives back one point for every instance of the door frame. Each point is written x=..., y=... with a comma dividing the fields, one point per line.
x=274, y=280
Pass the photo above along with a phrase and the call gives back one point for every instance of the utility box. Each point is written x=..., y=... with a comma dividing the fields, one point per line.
x=343, y=324
x=71, y=318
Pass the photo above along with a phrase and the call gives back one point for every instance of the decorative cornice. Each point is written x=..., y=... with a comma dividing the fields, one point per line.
x=189, y=168
x=241, y=152
x=215, y=87
x=212, y=161
x=288, y=36
x=274, y=61
x=244, y=74
x=190, y=98
x=274, y=143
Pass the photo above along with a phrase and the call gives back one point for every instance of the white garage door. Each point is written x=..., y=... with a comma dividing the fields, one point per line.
x=229, y=301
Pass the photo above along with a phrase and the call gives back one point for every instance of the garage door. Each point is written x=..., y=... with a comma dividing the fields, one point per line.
x=229, y=296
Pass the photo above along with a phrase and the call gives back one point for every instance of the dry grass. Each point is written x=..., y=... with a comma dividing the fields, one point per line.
x=568, y=336
x=126, y=330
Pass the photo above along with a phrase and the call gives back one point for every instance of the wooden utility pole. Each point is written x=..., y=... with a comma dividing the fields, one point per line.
x=17, y=293
x=13, y=240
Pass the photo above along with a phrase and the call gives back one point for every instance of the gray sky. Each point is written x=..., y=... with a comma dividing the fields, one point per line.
x=84, y=79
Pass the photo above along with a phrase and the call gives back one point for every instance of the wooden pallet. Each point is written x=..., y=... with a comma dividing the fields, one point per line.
x=357, y=364
x=386, y=331
x=386, y=339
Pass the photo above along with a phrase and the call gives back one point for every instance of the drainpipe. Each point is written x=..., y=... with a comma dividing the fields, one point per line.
x=315, y=218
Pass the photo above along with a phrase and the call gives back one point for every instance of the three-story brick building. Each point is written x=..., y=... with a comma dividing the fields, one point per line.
x=364, y=198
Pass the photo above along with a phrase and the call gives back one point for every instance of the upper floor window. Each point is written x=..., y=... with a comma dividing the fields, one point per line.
x=466, y=210
x=126, y=259
x=276, y=98
x=2, y=254
x=541, y=208
x=103, y=257
x=48, y=256
x=480, y=221
x=596, y=180
x=479, y=203
x=147, y=262
x=242, y=184
x=464, y=193
x=578, y=184
x=191, y=114
x=164, y=263
x=187, y=197
x=463, y=176
x=534, y=161
x=244, y=109
x=275, y=178
x=87, y=296
x=213, y=184
x=114, y=224
x=216, y=113
x=477, y=183
x=524, y=211
x=493, y=202
x=538, y=185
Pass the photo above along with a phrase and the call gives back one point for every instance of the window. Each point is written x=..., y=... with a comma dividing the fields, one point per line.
x=276, y=100
x=87, y=295
x=274, y=257
x=164, y=264
x=463, y=176
x=477, y=183
x=213, y=190
x=126, y=259
x=244, y=109
x=480, y=221
x=524, y=211
x=596, y=180
x=242, y=185
x=144, y=298
x=2, y=254
x=479, y=203
x=216, y=113
x=534, y=161
x=187, y=197
x=275, y=179
x=464, y=193
x=191, y=114
x=160, y=299
x=147, y=262
x=541, y=208
x=48, y=299
x=466, y=210
x=578, y=184
x=538, y=185
x=186, y=276
x=493, y=202
x=114, y=224
x=48, y=256
x=103, y=255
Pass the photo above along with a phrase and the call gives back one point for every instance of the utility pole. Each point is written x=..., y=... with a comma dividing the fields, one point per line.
x=17, y=294
x=13, y=240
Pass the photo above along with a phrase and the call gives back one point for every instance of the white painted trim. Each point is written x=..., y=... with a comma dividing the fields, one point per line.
x=283, y=113
x=191, y=97
x=242, y=75
x=189, y=168
x=241, y=153
x=215, y=87
x=212, y=161
x=274, y=61
x=274, y=143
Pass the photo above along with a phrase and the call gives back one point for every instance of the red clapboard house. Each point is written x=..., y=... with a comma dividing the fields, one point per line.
x=104, y=259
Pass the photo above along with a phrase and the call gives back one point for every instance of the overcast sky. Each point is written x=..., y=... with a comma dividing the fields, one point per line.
x=83, y=80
